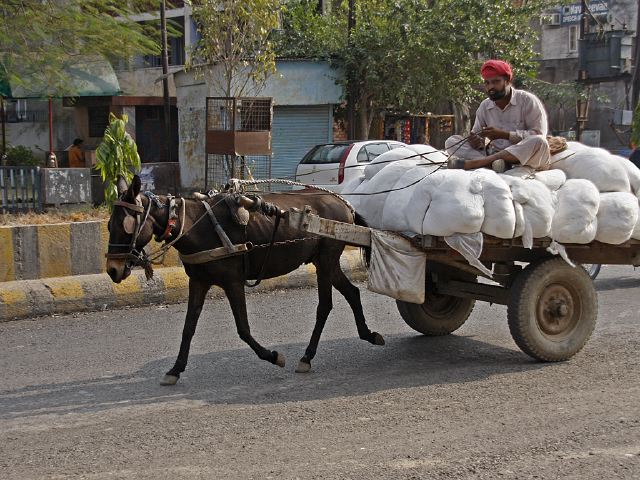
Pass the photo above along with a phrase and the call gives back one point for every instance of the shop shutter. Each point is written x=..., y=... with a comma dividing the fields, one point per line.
x=295, y=131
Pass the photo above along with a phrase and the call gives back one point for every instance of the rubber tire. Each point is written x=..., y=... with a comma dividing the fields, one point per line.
x=523, y=305
x=421, y=319
x=593, y=269
x=424, y=319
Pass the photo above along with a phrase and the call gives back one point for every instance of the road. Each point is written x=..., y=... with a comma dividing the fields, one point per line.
x=80, y=396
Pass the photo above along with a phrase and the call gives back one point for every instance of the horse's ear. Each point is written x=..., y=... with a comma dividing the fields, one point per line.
x=136, y=185
x=122, y=185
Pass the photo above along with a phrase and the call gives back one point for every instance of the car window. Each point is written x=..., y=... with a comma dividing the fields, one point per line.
x=331, y=153
x=376, y=149
x=362, y=155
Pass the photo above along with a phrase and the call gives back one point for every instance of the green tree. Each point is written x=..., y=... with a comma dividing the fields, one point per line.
x=117, y=155
x=415, y=54
x=39, y=39
x=235, y=37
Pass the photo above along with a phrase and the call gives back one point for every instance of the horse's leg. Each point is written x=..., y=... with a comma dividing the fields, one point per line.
x=237, y=300
x=352, y=294
x=197, y=294
x=325, y=304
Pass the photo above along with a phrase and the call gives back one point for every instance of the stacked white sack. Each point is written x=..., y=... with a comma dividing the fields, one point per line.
x=594, y=164
x=554, y=179
x=500, y=212
x=575, y=218
x=387, y=158
x=372, y=194
x=617, y=217
x=633, y=173
x=456, y=203
x=402, y=211
x=428, y=153
x=538, y=204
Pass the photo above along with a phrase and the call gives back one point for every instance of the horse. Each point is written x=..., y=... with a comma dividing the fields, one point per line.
x=266, y=250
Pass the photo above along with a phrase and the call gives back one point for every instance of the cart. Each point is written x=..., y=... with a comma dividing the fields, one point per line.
x=551, y=306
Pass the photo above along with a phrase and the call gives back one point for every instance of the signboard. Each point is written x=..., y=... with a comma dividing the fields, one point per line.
x=571, y=13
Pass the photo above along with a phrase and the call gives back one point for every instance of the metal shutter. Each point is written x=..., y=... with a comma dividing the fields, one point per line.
x=295, y=131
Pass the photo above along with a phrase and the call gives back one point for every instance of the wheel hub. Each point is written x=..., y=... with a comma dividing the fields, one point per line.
x=557, y=313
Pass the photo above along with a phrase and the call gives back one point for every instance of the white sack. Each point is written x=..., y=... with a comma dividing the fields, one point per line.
x=633, y=173
x=370, y=201
x=428, y=153
x=553, y=179
x=499, y=209
x=538, y=204
x=596, y=165
x=636, y=230
x=397, y=268
x=403, y=211
x=456, y=203
x=617, y=217
x=387, y=158
x=575, y=219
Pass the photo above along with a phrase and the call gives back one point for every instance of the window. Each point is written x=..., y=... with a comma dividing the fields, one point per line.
x=375, y=150
x=573, y=38
x=98, y=121
x=331, y=153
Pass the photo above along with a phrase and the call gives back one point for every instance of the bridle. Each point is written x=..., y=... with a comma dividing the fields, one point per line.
x=134, y=256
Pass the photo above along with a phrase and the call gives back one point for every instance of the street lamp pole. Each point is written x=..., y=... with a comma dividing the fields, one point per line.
x=582, y=104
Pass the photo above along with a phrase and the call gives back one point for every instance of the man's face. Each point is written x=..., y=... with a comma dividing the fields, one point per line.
x=497, y=87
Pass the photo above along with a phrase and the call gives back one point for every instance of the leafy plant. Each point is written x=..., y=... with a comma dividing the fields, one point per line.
x=20, y=155
x=117, y=155
x=635, y=127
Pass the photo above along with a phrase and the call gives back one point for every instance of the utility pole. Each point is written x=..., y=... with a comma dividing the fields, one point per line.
x=582, y=104
x=352, y=91
x=165, y=81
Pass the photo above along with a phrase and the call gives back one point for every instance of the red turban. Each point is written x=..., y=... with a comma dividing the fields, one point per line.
x=496, y=68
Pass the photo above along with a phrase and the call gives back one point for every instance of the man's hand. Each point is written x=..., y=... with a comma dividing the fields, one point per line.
x=493, y=133
x=476, y=141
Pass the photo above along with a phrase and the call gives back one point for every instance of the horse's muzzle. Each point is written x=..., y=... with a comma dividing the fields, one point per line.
x=118, y=270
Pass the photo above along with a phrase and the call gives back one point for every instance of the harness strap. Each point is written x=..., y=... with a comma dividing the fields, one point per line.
x=266, y=257
x=130, y=206
x=219, y=230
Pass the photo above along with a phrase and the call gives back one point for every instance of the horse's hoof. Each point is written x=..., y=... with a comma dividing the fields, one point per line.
x=378, y=339
x=169, y=380
x=280, y=360
x=303, y=367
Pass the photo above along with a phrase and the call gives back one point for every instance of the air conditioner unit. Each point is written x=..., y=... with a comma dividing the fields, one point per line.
x=550, y=19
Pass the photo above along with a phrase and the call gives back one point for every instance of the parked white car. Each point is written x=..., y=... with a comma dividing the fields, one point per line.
x=332, y=165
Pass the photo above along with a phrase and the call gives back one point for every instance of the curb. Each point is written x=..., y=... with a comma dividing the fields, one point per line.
x=84, y=293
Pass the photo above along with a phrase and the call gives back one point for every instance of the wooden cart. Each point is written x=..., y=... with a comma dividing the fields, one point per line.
x=551, y=306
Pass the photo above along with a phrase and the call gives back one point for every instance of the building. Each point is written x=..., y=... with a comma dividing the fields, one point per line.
x=608, y=54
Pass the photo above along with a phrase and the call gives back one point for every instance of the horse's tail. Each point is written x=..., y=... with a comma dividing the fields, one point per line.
x=365, y=251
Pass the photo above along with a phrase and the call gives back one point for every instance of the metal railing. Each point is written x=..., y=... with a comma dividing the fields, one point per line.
x=20, y=189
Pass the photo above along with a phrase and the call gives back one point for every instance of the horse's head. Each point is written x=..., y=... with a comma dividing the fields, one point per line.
x=129, y=230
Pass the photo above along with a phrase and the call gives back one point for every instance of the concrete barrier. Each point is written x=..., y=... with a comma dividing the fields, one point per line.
x=57, y=250
x=78, y=293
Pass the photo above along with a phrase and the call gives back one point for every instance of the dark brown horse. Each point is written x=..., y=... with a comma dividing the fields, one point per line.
x=136, y=218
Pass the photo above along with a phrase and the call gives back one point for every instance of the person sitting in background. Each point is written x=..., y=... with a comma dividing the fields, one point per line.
x=514, y=121
x=76, y=154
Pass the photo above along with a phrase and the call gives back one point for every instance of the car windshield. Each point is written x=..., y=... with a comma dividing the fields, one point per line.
x=326, y=153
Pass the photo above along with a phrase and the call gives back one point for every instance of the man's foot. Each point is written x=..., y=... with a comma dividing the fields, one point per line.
x=455, y=162
x=499, y=166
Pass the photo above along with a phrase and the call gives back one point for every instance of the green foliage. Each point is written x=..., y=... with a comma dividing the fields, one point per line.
x=235, y=36
x=40, y=38
x=415, y=54
x=20, y=155
x=117, y=155
x=635, y=127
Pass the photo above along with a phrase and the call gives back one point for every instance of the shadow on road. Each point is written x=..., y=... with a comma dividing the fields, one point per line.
x=616, y=283
x=344, y=367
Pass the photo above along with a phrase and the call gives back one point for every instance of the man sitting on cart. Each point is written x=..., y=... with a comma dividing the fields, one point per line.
x=510, y=127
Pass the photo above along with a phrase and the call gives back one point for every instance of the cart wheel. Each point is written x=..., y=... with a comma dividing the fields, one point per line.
x=439, y=314
x=552, y=310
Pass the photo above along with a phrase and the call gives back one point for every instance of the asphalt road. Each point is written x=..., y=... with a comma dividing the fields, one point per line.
x=80, y=396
